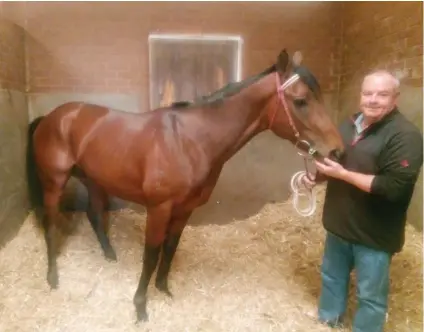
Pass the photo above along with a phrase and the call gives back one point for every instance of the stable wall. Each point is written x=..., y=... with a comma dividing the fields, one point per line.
x=99, y=52
x=13, y=124
x=385, y=35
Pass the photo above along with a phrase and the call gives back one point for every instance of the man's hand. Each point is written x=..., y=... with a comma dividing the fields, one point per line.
x=331, y=168
x=308, y=183
x=335, y=170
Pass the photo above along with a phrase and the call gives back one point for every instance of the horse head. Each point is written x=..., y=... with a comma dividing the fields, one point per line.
x=300, y=114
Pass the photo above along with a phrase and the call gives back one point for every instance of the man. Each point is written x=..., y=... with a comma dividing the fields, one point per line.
x=366, y=201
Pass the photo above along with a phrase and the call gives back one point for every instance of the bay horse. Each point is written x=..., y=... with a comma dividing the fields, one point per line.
x=168, y=159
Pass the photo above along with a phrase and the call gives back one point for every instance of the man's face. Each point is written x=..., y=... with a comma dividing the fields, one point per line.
x=378, y=96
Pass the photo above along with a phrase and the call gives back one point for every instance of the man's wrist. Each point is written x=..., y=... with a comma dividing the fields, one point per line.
x=359, y=180
x=345, y=175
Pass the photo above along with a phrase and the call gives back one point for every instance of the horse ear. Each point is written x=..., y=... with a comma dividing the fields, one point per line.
x=282, y=61
x=297, y=58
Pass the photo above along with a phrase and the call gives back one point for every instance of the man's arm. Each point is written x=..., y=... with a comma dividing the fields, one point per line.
x=362, y=181
x=400, y=165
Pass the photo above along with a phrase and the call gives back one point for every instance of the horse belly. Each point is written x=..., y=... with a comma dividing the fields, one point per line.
x=117, y=181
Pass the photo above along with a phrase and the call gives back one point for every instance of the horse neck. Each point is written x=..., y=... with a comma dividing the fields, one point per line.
x=240, y=118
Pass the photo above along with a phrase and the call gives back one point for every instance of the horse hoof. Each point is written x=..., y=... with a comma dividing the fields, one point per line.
x=168, y=293
x=53, y=280
x=164, y=289
x=140, y=308
x=111, y=255
x=142, y=317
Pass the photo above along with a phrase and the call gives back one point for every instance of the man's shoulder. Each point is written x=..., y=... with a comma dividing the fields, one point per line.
x=402, y=135
x=402, y=126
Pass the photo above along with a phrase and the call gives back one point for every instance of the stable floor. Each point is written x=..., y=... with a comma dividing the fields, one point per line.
x=255, y=274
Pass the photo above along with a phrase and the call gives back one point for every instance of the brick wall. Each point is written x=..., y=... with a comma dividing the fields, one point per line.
x=380, y=35
x=87, y=47
x=12, y=55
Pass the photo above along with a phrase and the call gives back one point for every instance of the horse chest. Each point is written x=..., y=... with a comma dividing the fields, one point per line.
x=201, y=194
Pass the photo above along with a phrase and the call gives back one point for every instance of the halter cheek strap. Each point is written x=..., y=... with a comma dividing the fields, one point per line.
x=281, y=96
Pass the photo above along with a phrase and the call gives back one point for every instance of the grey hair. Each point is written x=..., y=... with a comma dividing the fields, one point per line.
x=384, y=72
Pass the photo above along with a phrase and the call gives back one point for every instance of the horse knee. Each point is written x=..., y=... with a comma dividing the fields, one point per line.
x=155, y=239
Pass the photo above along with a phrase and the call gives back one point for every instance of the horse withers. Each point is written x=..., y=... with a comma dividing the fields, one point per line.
x=168, y=159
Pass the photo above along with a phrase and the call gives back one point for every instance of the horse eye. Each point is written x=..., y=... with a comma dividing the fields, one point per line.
x=299, y=103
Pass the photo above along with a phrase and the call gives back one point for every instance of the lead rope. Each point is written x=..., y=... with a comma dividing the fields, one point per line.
x=297, y=187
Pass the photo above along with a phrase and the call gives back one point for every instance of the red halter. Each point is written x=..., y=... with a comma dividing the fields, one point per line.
x=280, y=91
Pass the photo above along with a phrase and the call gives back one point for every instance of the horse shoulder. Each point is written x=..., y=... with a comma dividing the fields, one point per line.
x=175, y=163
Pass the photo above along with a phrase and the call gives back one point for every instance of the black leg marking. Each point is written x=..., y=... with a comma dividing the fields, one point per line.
x=96, y=222
x=50, y=238
x=150, y=260
x=169, y=248
x=98, y=202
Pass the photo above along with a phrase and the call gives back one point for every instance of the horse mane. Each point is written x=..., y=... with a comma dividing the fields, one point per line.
x=225, y=92
x=233, y=88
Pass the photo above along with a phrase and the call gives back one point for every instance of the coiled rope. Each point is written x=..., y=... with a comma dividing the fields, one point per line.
x=300, y=190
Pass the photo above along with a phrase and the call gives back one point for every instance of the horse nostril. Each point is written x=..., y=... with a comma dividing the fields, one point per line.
x=336, y=155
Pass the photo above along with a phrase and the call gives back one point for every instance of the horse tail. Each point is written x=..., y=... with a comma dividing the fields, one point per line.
x=35, y=189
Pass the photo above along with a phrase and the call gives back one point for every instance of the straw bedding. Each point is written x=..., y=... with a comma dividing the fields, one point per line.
x=257, y=274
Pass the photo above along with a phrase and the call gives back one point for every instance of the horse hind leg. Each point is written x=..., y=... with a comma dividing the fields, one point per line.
x=169, y=247
x=158, y=218
x=98, y=217
x=52, y=193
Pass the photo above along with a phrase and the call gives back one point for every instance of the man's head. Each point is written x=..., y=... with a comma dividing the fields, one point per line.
x=379, y=94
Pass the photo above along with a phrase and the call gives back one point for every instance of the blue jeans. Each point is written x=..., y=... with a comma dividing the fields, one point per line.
x=372, y=274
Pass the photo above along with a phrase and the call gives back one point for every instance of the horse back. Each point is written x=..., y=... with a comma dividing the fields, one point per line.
x=88, y=135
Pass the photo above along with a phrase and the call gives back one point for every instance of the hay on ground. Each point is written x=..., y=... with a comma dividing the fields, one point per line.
x=258, y=274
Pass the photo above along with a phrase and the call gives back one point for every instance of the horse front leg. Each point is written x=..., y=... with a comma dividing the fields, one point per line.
x=158, y=218
x=177, y=224
x=169, y=247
